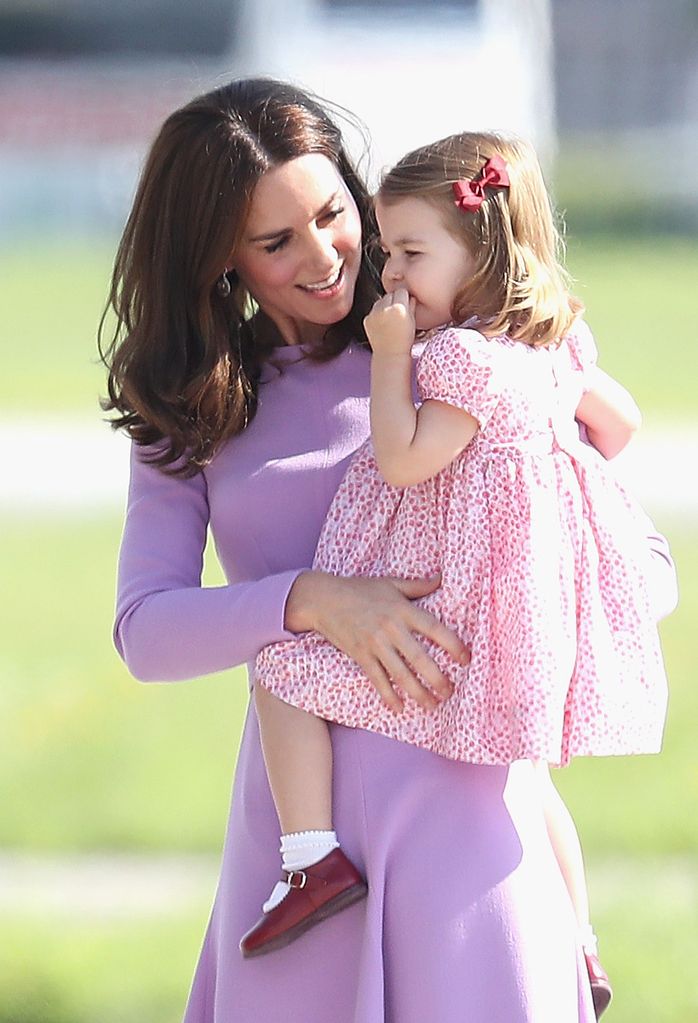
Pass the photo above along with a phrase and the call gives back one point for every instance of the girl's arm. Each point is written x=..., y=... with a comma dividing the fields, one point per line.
x=608, y=412
x=411, y=445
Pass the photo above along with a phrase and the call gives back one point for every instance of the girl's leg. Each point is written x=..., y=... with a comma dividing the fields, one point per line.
x=298, y=756
x=564, y=839
x=319, y=879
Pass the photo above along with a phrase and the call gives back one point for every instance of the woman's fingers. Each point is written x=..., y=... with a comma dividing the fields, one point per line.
x=374, y=621
x=416, y=656
x=402, y=675
x=431, y=628
x=414, y=588
x=425, y=624
x=376, y=674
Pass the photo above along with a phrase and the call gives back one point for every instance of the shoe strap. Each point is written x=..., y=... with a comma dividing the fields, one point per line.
x=302, y=878
x=295, y=878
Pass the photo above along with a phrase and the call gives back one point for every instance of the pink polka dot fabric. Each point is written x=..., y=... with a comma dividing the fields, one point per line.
x=540, y=552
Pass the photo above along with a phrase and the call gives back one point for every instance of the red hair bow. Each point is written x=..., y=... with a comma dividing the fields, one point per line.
x=471, y=194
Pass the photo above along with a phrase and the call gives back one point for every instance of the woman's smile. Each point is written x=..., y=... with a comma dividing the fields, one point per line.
x=328, y=287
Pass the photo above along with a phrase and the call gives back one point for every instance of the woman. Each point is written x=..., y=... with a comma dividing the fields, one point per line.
x=245, y=423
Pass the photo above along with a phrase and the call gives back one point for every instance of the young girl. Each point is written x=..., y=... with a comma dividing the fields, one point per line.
x=540, y=553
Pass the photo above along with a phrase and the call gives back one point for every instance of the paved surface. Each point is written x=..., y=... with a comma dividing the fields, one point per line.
x=108, y=886
x=81, y=467
x=126, y=886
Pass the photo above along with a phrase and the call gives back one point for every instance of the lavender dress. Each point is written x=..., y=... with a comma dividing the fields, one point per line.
x=467, y=917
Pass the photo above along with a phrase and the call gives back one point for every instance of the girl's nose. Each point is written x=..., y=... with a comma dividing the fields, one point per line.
x=391, y=277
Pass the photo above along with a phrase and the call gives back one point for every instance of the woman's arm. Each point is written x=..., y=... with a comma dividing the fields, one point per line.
x=411, y=444
x=608, y=412
x=167, y=626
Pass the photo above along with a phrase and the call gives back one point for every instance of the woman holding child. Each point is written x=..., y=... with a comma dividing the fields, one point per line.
x=244, y=419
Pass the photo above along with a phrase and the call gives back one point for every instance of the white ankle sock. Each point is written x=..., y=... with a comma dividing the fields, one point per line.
x=300, y=849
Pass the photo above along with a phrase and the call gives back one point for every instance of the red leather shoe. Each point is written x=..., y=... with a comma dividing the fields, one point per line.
x=601, y=990
x=316, y=893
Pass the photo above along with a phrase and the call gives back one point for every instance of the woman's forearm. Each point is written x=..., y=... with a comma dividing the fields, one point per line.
x=168, y=627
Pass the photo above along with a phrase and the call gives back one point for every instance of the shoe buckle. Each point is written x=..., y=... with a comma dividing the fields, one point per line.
x=292, y=874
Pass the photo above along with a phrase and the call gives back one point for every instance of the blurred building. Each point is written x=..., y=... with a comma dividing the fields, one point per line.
x=84, y=84
x=626, y=90
x=625, y=65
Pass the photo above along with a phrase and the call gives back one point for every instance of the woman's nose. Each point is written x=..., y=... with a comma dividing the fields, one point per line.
x=322, y=251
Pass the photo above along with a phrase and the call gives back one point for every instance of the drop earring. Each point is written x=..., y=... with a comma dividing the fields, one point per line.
x=223, y=285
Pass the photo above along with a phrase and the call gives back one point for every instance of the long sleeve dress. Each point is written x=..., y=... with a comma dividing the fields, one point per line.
x=467, y=919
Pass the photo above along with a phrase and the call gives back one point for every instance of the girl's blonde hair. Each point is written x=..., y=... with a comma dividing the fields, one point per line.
x=519, y=286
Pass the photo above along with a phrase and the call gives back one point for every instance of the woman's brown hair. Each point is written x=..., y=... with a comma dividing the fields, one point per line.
x=185, y=360
x=519, y=286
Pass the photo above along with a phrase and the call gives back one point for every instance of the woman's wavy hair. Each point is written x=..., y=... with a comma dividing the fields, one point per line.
x=184, y=361
x=519, y=286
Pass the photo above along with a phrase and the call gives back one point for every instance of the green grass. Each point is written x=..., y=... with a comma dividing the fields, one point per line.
x=638, y=299
x=69, y=970
x=646, y=915
x=108, y=762
x=51, y=300
x=637, y=290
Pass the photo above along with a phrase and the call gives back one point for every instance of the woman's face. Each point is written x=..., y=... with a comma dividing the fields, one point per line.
x=301, y=248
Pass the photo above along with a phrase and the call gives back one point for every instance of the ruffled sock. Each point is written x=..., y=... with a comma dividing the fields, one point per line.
x=299, y=850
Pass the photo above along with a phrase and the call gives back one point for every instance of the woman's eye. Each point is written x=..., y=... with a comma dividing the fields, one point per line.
x=275, y=246
x=332, y=215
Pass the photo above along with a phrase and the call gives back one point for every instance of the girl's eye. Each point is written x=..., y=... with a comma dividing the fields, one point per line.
x=410, y=253
x=275, y=246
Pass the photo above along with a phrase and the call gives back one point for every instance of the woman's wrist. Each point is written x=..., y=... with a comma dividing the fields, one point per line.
x=302, y=602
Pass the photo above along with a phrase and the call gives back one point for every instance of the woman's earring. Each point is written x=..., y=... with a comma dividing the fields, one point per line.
x=223, y=285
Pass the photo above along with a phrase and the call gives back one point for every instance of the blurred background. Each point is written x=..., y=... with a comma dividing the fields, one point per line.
x=113, y=796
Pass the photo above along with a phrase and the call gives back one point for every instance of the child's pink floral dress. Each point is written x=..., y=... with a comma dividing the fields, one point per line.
x=540, y=552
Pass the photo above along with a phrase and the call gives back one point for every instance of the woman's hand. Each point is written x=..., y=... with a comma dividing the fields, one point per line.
x=374, y=621
x=390, y=326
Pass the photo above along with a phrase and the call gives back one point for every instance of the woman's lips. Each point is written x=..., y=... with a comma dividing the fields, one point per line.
x=326, y=290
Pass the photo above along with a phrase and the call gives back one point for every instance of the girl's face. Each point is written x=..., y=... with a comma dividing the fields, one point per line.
x=424, y=257
x=301, y=249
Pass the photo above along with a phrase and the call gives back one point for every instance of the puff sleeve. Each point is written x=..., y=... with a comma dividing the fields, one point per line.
x=582, y=351
x=462, y=368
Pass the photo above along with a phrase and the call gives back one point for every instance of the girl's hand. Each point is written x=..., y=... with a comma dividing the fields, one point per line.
x=390, y=326
x=374, y=621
